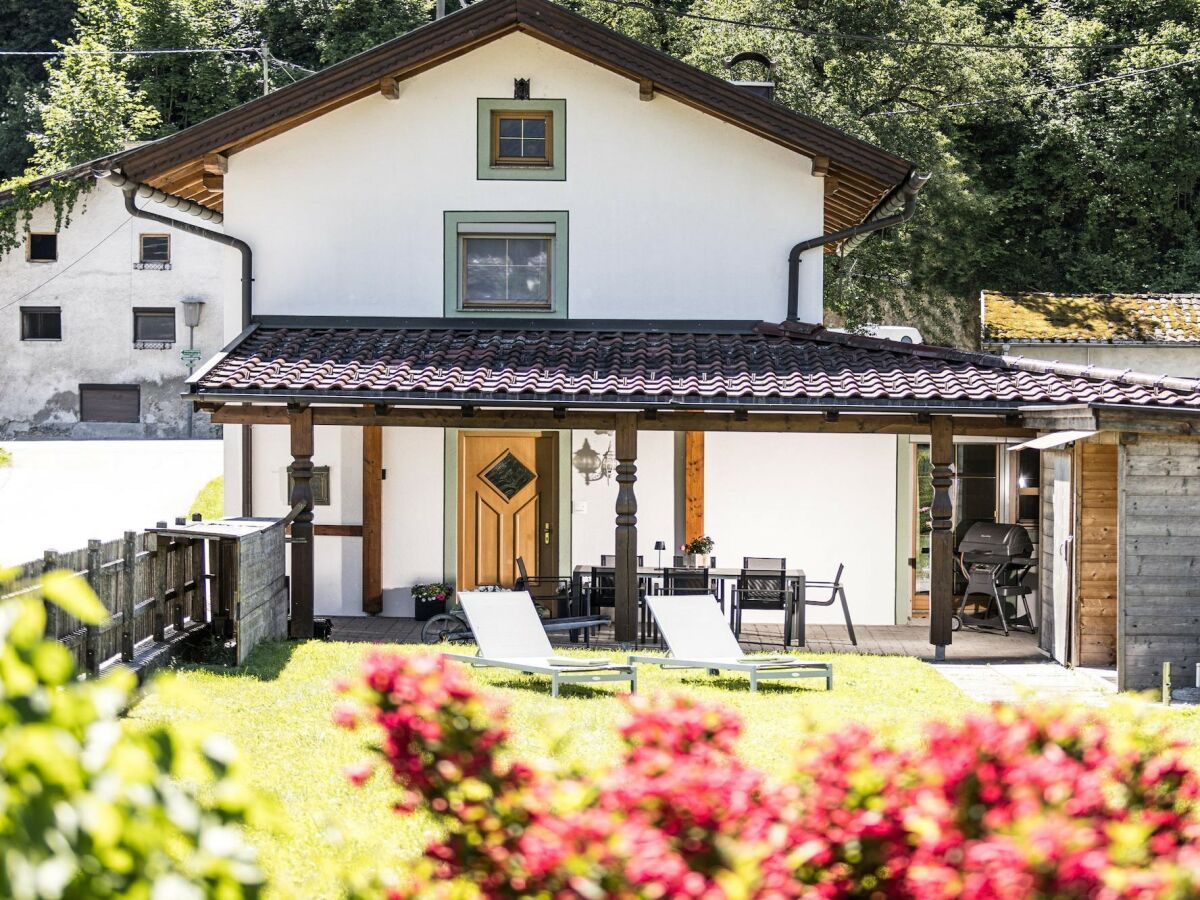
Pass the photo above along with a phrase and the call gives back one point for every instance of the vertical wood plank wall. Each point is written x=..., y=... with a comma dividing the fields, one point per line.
x=1096, y=552
x=1158, y=617
x=1046, y=556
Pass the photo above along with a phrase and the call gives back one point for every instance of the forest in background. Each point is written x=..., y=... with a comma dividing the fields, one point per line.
x=1056, y=167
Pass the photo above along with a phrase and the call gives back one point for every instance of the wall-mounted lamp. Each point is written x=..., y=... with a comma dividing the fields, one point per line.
x=591, y=465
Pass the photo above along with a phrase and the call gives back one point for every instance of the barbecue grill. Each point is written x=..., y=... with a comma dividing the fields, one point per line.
x=995, y=560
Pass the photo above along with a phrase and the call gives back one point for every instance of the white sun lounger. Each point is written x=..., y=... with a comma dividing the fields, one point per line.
x=699, y=638
x=510, y=636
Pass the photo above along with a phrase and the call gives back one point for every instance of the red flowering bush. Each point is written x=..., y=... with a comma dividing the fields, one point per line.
x=1011, y=804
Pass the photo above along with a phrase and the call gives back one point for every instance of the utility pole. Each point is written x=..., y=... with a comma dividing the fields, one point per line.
x=265, y=53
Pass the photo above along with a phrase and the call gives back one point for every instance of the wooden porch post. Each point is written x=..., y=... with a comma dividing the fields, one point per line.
x=941, y=549
x=693, y=485
x=301, y=422
x=626, y=579
x=372, y=519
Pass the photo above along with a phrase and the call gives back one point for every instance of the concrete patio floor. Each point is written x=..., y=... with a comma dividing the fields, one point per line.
x=877, y=640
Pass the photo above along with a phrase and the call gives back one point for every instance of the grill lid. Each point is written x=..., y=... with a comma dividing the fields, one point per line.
x=996, y=539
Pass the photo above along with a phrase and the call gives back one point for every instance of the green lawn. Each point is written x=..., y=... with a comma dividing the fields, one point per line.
x=210, y=502
x=276, y=710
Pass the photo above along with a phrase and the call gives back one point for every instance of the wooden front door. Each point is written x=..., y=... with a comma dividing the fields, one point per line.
x=507, y=506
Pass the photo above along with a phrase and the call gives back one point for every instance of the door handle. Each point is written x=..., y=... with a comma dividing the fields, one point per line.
x=546, y=529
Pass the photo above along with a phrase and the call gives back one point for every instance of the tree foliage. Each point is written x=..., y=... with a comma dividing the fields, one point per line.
x=89, y=809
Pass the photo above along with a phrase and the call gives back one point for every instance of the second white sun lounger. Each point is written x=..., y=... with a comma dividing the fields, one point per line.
x=699, y=638
x=510, y=636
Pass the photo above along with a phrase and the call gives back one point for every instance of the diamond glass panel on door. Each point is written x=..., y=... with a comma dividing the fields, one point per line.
x=508, y=476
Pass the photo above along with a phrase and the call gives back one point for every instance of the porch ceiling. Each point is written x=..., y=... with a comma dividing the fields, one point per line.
x=671, y=365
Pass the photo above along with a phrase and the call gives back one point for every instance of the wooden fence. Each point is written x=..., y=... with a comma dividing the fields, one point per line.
x=153, y=586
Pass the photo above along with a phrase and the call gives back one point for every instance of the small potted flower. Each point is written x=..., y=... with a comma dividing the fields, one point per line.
x=697, y=551
x=430, y=599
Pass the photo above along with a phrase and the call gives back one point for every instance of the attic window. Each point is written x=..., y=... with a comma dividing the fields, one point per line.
x=42, y=247
x=522, y=138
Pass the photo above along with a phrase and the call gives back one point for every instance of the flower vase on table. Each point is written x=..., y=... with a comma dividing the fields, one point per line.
x=698, y=552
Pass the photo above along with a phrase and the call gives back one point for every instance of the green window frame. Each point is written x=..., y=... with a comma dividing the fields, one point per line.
x=460, y=225
x=491, y=111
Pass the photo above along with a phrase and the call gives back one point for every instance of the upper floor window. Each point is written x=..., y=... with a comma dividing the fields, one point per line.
x=522, y=138
x=154, y=326
x=42, y=246
x=41, y=323
x=154, y=251
x=506, y=270
x=506, y=263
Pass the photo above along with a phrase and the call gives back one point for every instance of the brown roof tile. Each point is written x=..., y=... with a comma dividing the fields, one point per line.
x=767, y=365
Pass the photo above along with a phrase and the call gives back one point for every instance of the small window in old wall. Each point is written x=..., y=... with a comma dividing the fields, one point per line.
x=154, y=251
x=154, y=326
x=42, y=246
x=512, y=263
x=109, y=402
x=41, y=323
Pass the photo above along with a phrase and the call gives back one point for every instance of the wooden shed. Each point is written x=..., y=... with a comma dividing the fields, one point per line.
x=1120, y=549
x=250, y=593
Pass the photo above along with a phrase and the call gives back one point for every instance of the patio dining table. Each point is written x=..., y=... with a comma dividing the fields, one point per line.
x=795, y=579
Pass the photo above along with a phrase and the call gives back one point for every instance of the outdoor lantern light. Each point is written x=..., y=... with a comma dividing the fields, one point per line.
x=191, y=312
x=591, y=465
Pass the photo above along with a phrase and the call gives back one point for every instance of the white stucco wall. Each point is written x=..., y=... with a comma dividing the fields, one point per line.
x=1160, y=360
x=593, y=515
x=673, y=213
x=818, y=500
x=97, y=288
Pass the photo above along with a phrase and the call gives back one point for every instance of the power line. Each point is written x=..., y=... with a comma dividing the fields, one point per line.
x=69, y=266
x=1058, y=89
x=148, y=52
x=887, y=40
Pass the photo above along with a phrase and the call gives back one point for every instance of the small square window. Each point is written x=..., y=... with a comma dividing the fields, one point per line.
x=501, y=270
x=155, y=249
x=42, y=247
x=154, y=326
x=41, y=323
x=522, y=138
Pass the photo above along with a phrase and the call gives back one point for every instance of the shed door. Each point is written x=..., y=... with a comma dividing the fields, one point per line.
x=1063, y=548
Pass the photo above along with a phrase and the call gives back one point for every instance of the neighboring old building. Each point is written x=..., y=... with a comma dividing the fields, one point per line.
x=1144, y=332
x=93, y=321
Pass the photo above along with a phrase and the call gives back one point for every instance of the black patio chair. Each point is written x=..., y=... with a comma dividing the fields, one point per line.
x=836, y=592
x=601, y=590
x=611, y=561
x=678, y=562
x=763, y=584
x=546, y=590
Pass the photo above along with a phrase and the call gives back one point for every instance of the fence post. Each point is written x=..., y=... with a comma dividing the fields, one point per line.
x=128, y=564
x=49, y=564
x=200, y=582
x=92, y=632
x=162, y=547
x=184, y=554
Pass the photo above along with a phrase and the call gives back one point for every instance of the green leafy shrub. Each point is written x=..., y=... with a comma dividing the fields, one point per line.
x=90, y=809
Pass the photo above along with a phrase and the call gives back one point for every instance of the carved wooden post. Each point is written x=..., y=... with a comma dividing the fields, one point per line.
x=302, y=527
x=199, y=608
x=941, y=539
x=128, y=572
x=162, y=550
x=626, y=579
x=91, y=634
x=49, y=564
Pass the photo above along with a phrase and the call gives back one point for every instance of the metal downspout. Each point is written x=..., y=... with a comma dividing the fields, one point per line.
x=130, y=188
x=884, y=217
